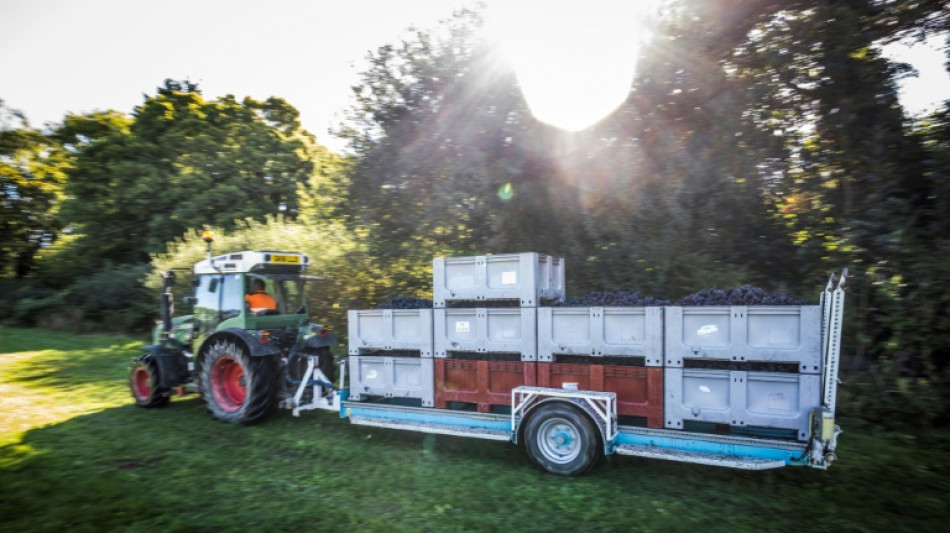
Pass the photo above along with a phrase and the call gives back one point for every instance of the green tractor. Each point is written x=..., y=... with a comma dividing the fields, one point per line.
x=246, y=345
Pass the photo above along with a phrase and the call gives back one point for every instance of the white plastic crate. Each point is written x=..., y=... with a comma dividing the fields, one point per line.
x=392, y=377
x=740, y=398
x=527, y=278
x=487, y=330
x=601, y=331
x=788, y=333
x=389, y=330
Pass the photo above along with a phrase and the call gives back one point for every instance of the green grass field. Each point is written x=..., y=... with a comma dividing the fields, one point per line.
x=76, y=455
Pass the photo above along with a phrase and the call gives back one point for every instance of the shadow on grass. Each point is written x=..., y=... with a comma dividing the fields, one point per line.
x=175, y=469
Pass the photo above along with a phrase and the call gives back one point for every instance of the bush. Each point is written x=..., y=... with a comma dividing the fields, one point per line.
x=886, y=396
x=114, y=299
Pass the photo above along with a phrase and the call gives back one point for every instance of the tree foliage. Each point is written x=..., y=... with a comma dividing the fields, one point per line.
x=32, y=173
x=181, y=162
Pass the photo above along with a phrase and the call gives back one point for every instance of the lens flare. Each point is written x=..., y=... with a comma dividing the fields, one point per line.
x=575, y=60
x=506, y=192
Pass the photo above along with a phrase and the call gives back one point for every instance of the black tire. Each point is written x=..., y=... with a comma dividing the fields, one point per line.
x=238, y=388
x=143, y=382
x=298, y=365
x=324, y=362
x=562, y=439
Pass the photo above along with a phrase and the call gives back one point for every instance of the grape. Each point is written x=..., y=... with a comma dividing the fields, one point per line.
x=405, y=302
x=613, y=299
x=745, y=295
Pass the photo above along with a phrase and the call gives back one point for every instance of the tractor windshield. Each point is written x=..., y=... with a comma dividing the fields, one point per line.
x=286, y=290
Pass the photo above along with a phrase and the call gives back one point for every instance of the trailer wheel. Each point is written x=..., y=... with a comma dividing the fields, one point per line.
x=237, y=387
x=562, y=440
x=143, y=381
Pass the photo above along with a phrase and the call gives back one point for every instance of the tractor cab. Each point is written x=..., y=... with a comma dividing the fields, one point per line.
x=250, y=290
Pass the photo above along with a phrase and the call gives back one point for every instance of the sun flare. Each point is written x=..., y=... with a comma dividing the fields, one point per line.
x=575, y=60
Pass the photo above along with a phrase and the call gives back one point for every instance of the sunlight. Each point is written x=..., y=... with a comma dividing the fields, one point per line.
x=575, y=59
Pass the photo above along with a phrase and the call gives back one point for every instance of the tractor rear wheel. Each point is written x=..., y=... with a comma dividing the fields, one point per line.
x=238, y=388
x=143, y=381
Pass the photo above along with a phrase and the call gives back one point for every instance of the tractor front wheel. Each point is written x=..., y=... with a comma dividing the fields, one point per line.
x=237, y=387
x=143, y=381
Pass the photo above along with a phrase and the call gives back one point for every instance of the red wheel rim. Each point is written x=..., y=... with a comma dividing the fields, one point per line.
x=141, y=384
x=228, y=384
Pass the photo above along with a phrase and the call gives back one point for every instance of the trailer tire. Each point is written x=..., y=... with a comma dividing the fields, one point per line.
x=562, y=440
x=237, y=387
x=143, y=382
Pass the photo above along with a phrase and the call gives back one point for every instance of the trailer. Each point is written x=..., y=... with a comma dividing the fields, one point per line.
x=748, y=387
x=495, y=358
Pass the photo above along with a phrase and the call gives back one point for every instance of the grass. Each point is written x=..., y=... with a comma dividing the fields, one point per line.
x=76, y=455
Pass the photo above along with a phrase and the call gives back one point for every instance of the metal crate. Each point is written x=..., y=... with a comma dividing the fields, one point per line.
x=390, y=330
x=639, y=389
x=392, y=377
x=527, y=278
x=741, y=399
x=487, y=330
x=601, y=331
x=755, y=333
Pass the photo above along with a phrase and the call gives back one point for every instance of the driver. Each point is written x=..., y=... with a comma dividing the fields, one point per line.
x=258, y=300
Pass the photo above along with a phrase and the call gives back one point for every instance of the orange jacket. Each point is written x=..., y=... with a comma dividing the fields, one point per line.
x=260, y=300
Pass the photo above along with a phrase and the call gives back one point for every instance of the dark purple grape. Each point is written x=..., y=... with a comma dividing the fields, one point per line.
x=745, y=295
x=405, y=302
x=613, y=299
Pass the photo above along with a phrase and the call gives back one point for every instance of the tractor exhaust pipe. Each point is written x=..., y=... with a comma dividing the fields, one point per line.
x=168, y=279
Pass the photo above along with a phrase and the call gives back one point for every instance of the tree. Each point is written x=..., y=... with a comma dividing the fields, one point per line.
x=181, y=162
x=32, y=172
x=437, y=129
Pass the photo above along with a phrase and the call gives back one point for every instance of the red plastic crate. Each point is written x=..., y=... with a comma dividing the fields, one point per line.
x=639, y=389
x=484, y=383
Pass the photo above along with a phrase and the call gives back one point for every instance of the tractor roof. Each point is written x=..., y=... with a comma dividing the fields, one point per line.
x=264, y=261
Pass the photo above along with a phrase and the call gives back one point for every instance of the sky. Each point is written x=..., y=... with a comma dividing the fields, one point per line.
x=60, y=56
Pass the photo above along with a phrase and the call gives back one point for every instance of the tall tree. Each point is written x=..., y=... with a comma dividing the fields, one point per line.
x=182, y=162
x=436, y=127
x=32, y=173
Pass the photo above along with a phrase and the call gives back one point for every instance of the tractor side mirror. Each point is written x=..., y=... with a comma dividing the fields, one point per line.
x=189, y=300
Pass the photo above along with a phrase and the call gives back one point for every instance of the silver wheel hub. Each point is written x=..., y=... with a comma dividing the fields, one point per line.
x=559, y=441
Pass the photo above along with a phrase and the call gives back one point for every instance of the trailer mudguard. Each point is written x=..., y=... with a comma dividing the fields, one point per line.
x=577, y=402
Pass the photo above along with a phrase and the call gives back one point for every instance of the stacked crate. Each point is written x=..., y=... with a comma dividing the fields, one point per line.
x=491, y=330
x=485, y=324
x=615, y=349
x=390, y=352
x=746, y=367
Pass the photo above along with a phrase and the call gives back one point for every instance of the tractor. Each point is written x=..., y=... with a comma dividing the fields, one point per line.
x=241, y=359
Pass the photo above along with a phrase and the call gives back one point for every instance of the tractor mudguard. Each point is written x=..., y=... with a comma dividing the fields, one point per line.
x=253, y=345
x=172, y=365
